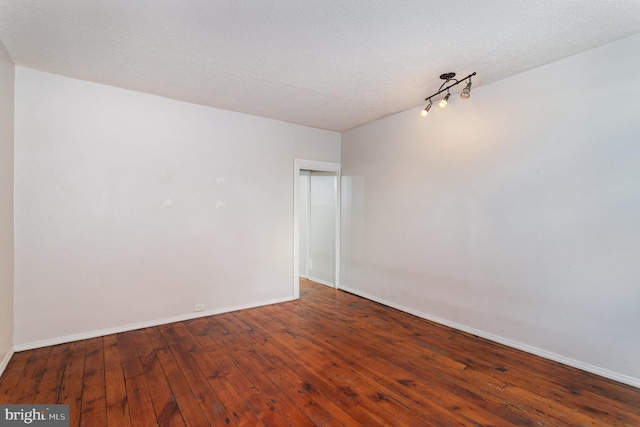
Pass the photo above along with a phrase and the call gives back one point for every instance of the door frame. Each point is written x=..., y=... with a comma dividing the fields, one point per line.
x=307, y=229
x=312, y=165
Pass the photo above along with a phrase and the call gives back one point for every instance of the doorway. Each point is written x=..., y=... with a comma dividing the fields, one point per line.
x=316, y=228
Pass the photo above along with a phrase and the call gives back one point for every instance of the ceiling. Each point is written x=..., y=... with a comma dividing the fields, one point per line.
x=330, y=64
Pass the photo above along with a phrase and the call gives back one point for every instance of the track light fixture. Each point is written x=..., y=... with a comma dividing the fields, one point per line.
x=449, y=82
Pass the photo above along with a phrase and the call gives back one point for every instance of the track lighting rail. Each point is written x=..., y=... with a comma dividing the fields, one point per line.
x=447, y=77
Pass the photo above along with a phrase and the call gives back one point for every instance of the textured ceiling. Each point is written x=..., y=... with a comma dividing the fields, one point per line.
x=330, y=64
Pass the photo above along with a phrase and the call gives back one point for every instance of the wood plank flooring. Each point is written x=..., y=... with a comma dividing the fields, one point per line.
x=328, y=359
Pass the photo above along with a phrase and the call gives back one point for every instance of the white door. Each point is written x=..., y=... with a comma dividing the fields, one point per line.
x=322, y=225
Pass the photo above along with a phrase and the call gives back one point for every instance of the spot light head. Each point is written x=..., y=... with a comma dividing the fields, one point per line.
x=443, y=102
x=425, y=112
x=466, y=92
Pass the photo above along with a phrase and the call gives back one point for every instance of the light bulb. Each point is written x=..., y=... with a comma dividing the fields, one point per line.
x=443, y=102
x=424, y=112
x=466, y=92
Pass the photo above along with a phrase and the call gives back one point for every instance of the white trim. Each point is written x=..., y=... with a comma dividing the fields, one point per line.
x=308, y=228
x=635, y=382
x=313, y=165
x=141, y=325
x=305, y=274
x=322, y=282
x=5, y=360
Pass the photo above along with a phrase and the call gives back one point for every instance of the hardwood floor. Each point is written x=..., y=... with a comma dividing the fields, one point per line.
x=328, y=359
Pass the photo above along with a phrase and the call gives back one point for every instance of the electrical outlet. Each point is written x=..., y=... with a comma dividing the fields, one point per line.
x=198, y=307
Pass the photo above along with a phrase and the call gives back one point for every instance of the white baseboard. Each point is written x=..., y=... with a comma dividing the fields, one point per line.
x=635, y=382
x=322, y=282
x=5, y=361
x=141, y=325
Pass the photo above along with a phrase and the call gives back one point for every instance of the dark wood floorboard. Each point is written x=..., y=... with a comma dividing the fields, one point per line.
x=328, y=359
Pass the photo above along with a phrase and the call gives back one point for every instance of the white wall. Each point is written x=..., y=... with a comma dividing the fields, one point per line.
x=132, y=208
x=514, y=214
x=7, y=74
